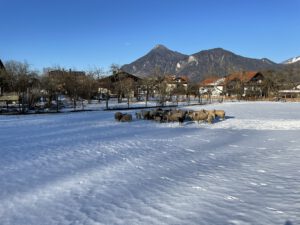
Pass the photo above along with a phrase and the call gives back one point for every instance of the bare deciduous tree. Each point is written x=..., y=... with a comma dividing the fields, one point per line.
x=21, y=80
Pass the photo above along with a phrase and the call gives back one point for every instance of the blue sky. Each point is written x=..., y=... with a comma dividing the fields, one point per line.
x=83, y=34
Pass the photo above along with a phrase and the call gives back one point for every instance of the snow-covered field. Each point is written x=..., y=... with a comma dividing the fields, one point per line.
x=85, y=168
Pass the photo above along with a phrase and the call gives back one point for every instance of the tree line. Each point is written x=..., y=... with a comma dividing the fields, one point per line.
x=31, y=86
x=17, y=78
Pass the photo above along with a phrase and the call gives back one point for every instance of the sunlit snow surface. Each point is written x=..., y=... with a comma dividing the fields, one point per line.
x=85, y=168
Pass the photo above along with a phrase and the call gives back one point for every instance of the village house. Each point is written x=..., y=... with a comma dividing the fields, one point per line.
x=174, y=82
x=212, y=86
x=244, y=84
x=61, y=73
x=171, y=88
x=290, y=93
x=118, y=83
x=65, y=87
x=241, y=84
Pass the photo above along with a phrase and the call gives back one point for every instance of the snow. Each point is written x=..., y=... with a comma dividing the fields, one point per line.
x=192, y=59
x=296, y=59
x=292, y=60
x=85, y=168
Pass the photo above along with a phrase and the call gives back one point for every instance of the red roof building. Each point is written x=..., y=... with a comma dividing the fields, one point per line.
x=212, y=81
x=245, y=77
x=212, y=86
x=246, y=84
x=174, y=79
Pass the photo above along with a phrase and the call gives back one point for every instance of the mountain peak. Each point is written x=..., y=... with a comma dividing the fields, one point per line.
x=214, y=51
x=159, y=57
x=160, y=46
x=218, y=49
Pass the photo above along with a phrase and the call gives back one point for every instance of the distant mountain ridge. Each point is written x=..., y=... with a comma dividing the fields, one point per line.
x=217, y=61
x=292, y=60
